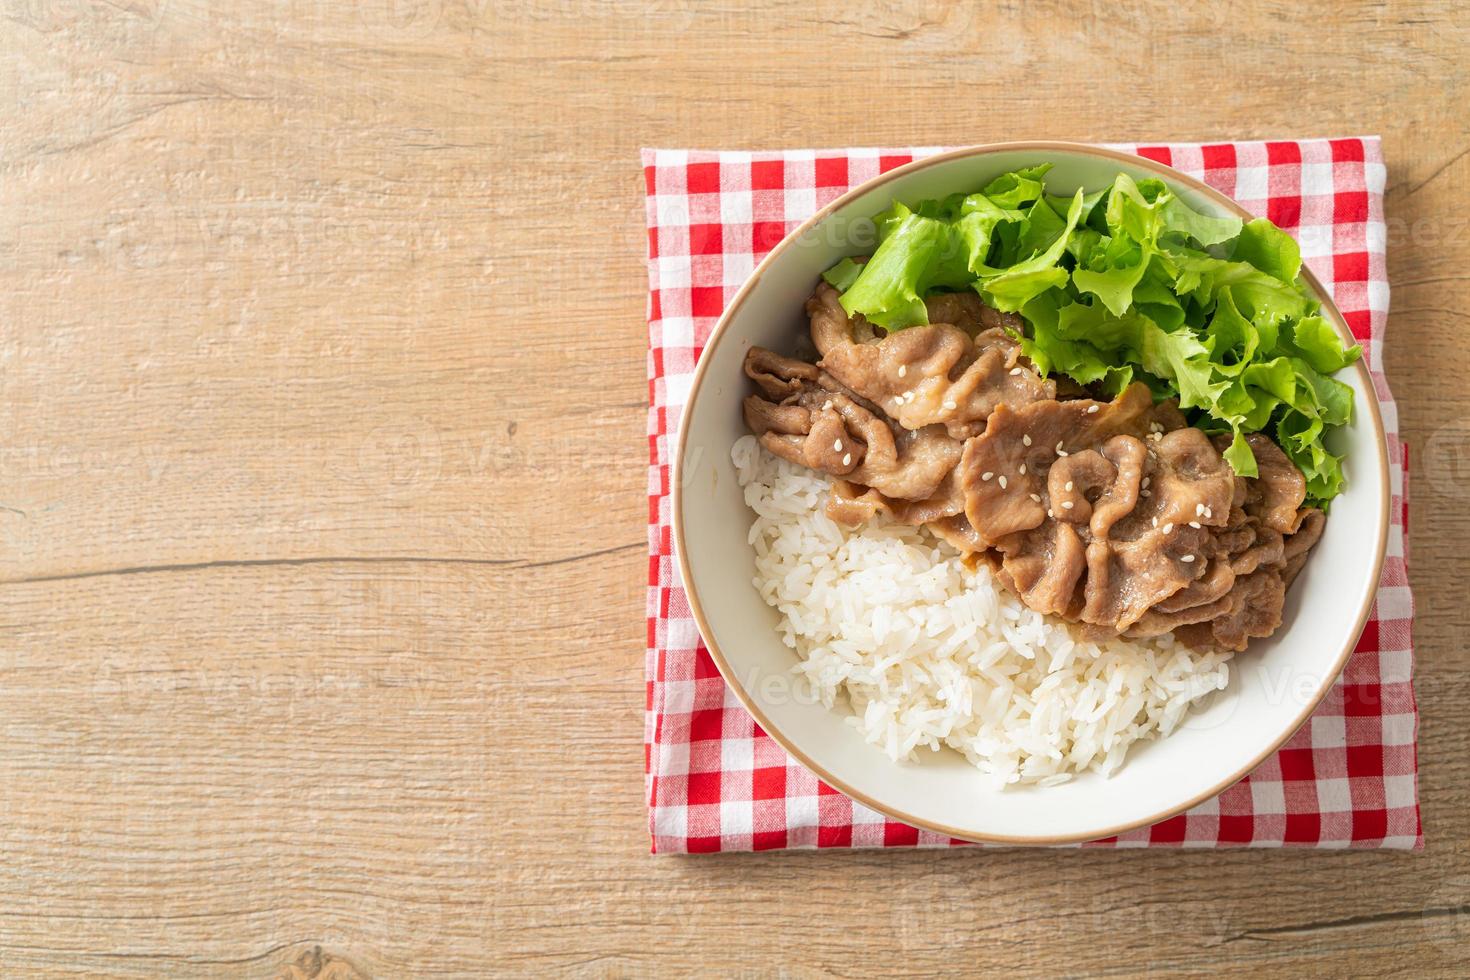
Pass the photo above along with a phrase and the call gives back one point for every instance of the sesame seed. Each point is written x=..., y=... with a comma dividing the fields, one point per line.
x=1145, y=493
x=951, y=406
x=1187, y=558
x=1025, y=440
x=902, y=370
x=837, y=446
x=847, y=459
x=1209, y=513
x=1062, y=453
x=1145, y=483
x=1168, y=527
x=826, y=405
x=987, y=475
x=1050, y=513
x=1068, y=486
x=1023, y=469
x=1015, y=371
x=1092, y=409
x=1036, y=497
x=1002, y=482
x=1066, y=505
x=1199, y=509
x=1156, y=521
x=1059, y=445
x=1194, y=524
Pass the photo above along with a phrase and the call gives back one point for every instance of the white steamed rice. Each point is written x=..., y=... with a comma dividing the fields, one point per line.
x=929, y=653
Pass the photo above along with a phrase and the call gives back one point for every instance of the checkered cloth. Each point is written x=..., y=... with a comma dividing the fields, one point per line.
x=716, y=782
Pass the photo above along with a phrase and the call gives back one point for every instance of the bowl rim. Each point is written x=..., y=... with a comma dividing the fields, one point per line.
x=1371, y=408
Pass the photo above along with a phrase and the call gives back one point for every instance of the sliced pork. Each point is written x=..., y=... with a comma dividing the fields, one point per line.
x=928, y=375
x=1113, y=514
x=821, y=424
x=1113, y=500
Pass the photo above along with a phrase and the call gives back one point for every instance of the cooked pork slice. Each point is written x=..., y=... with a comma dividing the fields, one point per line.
x=957, y=533
x=1136, y=501
x=971, y=314
x=926, y=375
x=1265, y=549
x=1162, y=544
x=1043, y=567
x=1209, y=588
x=851, y=505
x=779, y=377
x=1277, y=494
x=1310, y=523
x=1256, y=603
x=1156, y=623
x=823, y=425
x=1253, y=606
x=1005, y=471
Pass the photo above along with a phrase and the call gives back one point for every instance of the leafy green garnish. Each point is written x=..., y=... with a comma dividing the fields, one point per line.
x=1129, y=283
x=843, y=275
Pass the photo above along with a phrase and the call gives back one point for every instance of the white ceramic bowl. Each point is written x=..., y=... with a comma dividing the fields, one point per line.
x=1273, y=686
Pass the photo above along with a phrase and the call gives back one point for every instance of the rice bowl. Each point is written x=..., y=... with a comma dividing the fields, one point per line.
x=1039, y=776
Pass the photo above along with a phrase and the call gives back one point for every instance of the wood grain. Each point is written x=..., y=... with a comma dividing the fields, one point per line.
x=322, y=480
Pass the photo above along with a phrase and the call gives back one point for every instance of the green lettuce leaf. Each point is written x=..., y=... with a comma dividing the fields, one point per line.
x=1183, y=222
x=842, y=275
x=1011, y=288
x=1321, y=346
x=976, y=225
x=1019, y=187
x=1113, y=271
x=890, y=288
x=1240, y=457
x=1269, y=249
x=1128, y=283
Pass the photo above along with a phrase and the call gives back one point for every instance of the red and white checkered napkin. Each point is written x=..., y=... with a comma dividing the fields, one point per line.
x=716, y=782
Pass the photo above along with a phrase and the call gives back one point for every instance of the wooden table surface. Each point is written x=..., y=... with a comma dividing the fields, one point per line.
x=322, y=479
